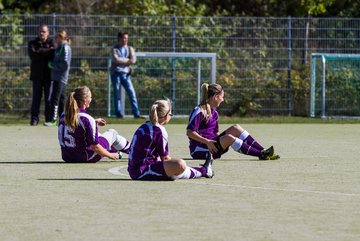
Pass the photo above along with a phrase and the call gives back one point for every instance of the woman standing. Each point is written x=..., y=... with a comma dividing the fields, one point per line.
x=60, y=68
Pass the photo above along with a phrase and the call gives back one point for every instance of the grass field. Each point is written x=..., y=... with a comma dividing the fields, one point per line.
x=311, y=193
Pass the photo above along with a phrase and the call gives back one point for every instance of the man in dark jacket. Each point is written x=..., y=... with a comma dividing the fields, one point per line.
x=41, y=51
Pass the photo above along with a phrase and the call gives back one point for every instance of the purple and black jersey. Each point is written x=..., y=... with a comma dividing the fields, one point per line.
x=150, y=142
x=76, y=145
x=208, y=129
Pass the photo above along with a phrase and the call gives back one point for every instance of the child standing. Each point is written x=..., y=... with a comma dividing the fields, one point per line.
x=78, y=132
x=60, y=67
x=203, y=131
x=149, y=155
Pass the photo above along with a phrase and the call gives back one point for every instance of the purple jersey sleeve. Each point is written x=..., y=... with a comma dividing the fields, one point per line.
x=195, y=119
x=91, y=131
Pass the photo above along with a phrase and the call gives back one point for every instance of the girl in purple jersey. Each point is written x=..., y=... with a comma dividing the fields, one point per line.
x=203, y=131
x=149, y=155
x=78, y=133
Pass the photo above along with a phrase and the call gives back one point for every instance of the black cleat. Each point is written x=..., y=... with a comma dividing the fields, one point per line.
x=266, y=154
x=208, y=165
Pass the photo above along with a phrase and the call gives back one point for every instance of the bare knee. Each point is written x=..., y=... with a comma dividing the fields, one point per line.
x=181, y=165
x=238, y=128
x=175, y=166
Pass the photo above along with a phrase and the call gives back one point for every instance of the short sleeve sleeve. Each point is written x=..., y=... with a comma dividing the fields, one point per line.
x=194, y=119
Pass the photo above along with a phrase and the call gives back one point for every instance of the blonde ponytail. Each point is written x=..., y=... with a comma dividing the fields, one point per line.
x=204, y=105
x=153, y=116
x=71, y=112
x=208, y=91
x=159, y=110
x=72, y=106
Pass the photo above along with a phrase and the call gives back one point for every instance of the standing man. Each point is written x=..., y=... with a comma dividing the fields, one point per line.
x=123, y=56
x=41, y=51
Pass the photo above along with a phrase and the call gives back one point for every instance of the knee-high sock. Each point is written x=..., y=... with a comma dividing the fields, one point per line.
x=121, y=144
x=192, y=172
x=248, y=139
x=242, y=147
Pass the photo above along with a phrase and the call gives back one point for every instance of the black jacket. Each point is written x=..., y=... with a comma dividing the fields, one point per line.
x=40, y=54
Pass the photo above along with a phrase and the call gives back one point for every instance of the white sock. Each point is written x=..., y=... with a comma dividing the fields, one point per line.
x=244, y=135
x=188, y=174
x=237, y=145
x=121, y=143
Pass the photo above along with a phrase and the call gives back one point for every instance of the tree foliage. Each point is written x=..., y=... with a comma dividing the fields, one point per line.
x=276, y=8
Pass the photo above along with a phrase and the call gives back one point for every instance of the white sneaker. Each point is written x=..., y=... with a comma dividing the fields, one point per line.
x=208, y=165
x=50, y=123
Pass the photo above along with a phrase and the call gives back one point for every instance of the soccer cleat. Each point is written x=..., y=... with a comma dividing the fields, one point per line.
x=120, y=155
x=265, y=154
x=50, y=123
x=208, y=165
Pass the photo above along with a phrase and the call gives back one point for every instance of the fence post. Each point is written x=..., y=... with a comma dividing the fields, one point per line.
x=173, y=44
x=53, y=23
x=312, y=85
x=323, y=93
x=289, y=69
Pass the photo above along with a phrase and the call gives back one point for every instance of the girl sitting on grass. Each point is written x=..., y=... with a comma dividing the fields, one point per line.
x=149, y=155
x=203, y=131
x=78, y=133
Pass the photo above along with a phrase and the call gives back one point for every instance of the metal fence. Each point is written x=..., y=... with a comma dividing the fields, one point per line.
x=263, y=63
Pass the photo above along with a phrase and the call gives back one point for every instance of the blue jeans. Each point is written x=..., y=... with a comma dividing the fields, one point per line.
x=124, y=79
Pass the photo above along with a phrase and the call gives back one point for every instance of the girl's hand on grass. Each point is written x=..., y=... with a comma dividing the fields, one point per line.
x=114, y=156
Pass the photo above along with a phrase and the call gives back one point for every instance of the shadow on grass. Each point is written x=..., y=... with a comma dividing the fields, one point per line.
x=35, y=162
x=100, y=179
x=230, y=160
x=60, y=162
x=84, y=179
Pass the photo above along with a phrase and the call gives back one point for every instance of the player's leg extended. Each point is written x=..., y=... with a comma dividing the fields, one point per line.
x=119, y=143
x=242, y=134
x=177, y=169
x=238, y=145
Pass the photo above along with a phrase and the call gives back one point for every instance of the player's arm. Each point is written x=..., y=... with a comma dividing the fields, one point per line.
x=102, y=152
x=195, y=136
x=100, y=121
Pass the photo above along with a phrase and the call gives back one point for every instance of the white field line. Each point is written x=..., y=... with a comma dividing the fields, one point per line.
x=118, y=171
